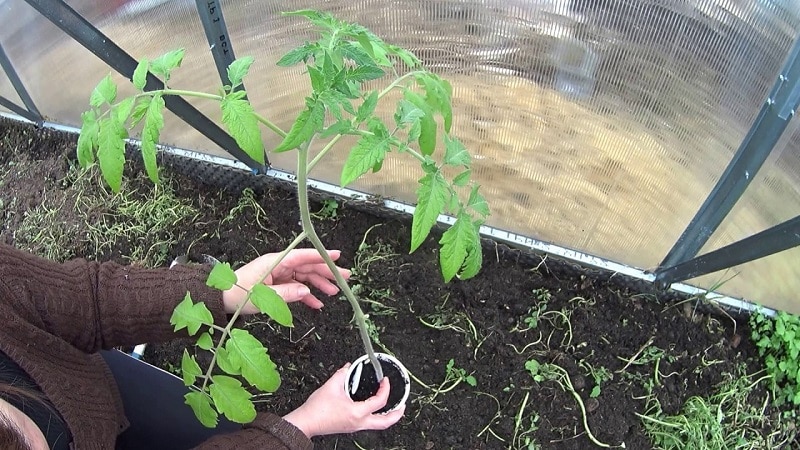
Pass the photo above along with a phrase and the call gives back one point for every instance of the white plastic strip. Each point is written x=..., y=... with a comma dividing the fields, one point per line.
x=506, y=237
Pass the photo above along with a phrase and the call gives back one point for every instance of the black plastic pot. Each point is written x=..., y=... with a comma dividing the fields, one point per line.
x=361, y=383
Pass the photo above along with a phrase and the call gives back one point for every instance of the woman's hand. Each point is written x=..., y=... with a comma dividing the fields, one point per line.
x=329, y=410
x=290, y=279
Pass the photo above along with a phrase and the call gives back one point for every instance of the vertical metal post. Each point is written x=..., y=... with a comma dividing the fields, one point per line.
x=219, y=42
x=772, y=120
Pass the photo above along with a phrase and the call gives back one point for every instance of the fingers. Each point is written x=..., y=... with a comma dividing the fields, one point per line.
x=384, y=421
x=293, y=292
x=318, y=281
x=380, y=398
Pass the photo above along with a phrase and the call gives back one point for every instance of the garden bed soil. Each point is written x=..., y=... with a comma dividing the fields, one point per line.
x=426, y=323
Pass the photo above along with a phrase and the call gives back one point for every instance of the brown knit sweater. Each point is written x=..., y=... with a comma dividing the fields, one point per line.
x=57, y=316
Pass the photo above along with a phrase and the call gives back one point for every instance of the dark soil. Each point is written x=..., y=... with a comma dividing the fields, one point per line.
x=476, y=323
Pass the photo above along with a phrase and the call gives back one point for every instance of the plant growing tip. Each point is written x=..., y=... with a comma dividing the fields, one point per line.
x=338, y=64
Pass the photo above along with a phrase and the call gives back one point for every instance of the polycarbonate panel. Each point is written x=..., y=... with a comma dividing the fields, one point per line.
x=8, y=92
x=772, y=198
x=599, y=126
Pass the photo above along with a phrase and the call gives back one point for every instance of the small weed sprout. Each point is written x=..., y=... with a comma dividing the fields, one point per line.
x=328, y=211
x=778, y=342
x=341, y=65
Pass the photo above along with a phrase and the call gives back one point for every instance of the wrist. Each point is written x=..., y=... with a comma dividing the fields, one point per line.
x=296, y=418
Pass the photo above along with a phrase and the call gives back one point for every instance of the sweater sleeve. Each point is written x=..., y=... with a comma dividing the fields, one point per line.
x=267, y=432
x=97, y=306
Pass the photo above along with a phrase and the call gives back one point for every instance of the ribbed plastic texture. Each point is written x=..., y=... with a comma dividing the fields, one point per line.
x=597, y=125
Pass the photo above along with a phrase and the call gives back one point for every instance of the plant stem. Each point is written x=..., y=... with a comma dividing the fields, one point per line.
x=269, y=124
x=227, y=330
x=308, y=228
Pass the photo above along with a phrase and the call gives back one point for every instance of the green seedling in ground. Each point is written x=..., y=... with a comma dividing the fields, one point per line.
x=728, y=419
x=453, y=377
x=552, y=372
x=339, y=65
x=329, y=210
x=778, y=342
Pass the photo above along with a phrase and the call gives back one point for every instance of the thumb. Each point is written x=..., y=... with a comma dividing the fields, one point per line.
x=291, y=292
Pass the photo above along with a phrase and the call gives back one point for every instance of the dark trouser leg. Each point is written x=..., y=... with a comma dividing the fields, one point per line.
x=155, y=407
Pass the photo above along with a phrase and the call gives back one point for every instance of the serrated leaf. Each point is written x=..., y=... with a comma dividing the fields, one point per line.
x=299, y=54
x=368, y=151
x=474, y=259
x=190, y=315
x=123, y=110
x=205, y=342
x=111, y=152
x=164, y=64
x=427, y=136
x=140, y=109
x=455, y=154
x=222, y=277
x=432, y=197
x=151, y=131
x=241, y=122
x=477, y=202
x=340, y=127
x=408, y=58
x=407, y=113
x=317, y=79
x=355, y=53
x=231, y=399
x=367, y=107
x=462, y=179
x=201, y=405
x=250, y=355
x=438, y=95
x=365, y=41
x=87, y=140
x=365, y=73
x=270, y=303
x=455, y=244
x=224, y=361
x=140, y=74
x=308, y=122
x=189, y=368
x=104, y=92
x=238, y=69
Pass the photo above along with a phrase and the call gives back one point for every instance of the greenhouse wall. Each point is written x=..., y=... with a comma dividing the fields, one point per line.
x=598, y=126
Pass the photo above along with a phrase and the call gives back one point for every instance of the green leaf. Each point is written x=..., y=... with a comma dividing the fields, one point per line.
x=257, y=368
x=595, y=392
x=190, y=315
x=455, y=154
x=365, y=41
x=153, y=123
x=240, y=120
x=427, y=137
x=368, y=152
x=462, y=179
x=438, y=93
x=455, y=242
x=140, y=109
x=224, y=361
x=111, y=152
x=471, y=380
x=140, y=74
x=205, y=342
x=270, y=303
x=231, y=399
x=365, y=73
x=201, y=405
x=408, y=58
x=123, y=110
x=474, y=259
x=87, y=140
x=407, y=113
x=355, y=53
x=189, y=368
x=164, y=64
x=222, y=277
x=308, y=122
x=432, y=196
x=477, y=202
x=340, y=127
x=104, y=92
x=238, y=69
x=302, y=53
x=367, y=107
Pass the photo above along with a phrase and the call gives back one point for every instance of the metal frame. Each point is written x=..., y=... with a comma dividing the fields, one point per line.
x=73, y=24
x=772, y=120
x=31, y=113
x=219, y=42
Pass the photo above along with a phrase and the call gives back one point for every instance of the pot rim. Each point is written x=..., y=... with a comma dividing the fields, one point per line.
x=384, y=357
